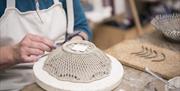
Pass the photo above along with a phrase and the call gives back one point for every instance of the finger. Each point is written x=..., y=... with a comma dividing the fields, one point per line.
x=33, y=51
x=34, y=57
x=42, y=39
x=77, y=38
x=41, y=46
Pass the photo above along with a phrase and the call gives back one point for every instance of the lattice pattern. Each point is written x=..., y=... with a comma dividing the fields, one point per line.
x=169, y=25
x=71, y=65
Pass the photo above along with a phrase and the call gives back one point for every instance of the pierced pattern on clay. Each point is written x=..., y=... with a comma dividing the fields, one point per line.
x=67, y=64
x=169, y=25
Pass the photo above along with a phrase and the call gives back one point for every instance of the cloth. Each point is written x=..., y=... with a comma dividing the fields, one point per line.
x=14, y=25
x=29, y=5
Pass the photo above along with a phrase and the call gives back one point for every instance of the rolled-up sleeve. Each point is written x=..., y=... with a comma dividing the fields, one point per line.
x=81, y=23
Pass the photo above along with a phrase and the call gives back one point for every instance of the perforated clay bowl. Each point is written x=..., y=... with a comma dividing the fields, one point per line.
x=168, y=25
x=78, y=66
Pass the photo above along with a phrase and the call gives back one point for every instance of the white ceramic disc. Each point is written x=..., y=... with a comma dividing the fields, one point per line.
x=50, y=83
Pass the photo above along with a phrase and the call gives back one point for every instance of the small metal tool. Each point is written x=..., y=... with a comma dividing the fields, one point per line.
x=160, y=78
x=68, y=37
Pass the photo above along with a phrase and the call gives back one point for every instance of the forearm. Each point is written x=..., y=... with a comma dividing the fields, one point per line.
x=81, y=23
x=7, y=57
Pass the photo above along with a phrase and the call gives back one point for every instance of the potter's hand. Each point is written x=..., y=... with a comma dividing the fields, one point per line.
x=76, y=38
x=81, y=36
x=31, y=47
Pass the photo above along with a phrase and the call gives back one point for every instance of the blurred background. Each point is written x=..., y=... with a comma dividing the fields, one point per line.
x=113, y=21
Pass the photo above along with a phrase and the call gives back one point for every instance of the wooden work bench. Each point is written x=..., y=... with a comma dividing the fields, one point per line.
x=133, y=80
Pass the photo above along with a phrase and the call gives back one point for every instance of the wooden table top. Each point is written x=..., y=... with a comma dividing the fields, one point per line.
x=133, y=80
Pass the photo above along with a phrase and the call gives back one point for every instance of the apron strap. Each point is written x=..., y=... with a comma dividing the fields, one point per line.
x=11, y=3
x=56, y=1
x=70, y=12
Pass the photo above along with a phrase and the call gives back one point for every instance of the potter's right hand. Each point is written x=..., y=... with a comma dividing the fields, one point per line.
x=31, y=47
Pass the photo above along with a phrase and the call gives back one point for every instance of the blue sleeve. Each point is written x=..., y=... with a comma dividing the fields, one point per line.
x=2, y=7
x=81, y=23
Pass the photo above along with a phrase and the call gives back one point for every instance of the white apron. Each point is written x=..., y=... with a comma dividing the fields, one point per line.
x=14, y=25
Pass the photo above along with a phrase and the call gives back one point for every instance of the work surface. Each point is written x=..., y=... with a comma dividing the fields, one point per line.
x=135, y=80
x=152, y=51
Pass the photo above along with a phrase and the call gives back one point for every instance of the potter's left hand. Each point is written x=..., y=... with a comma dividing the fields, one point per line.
x=82, y=36
x=76, y=38
x=79, y=37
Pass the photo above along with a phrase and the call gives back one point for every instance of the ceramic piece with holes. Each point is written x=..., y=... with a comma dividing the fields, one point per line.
x=78, y=66
x=168, y=25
